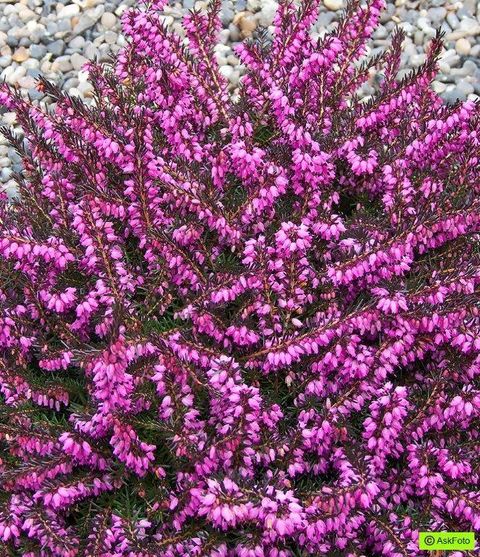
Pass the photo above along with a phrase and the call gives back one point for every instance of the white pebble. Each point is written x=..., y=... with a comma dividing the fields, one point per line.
x=82, y=76
x=26, y=15
x=463, y=47
x=333, y=5
x=268, y=12
x=77, y=61
x=62, y=63
x=9, y=118
x=12, y=74
x=108, y=20
x=110, y=37
x=70, y=10
x=77, y=42
x=226, y=71
x=438, y=87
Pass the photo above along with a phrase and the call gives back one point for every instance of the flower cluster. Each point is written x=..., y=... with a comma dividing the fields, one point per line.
x=241, y=325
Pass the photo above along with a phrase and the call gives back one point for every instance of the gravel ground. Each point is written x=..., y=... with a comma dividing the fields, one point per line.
x=55, y=38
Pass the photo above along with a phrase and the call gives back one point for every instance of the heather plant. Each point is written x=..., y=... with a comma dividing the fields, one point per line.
x=241, y=326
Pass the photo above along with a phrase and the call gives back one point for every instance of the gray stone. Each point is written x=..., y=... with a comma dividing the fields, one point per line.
x=387, y=13
x=417, y=60
x=11, y=190
x=408, y=28
x=48, y=6
x=77, y=43
x=119, y=11
x=37, y=32
x=85, y=22
x=437, y=15
x=475, y=52
x=234, y=33
x=463, y=12
x=5, y=174
x=470, y=67
x=409, y=49
x=224, y=36
x=69, y=83
x=465, y=87
x=63, y=63
x=13, y=155
x=77, y=61
x=52, y=28
x=324, y=19
x=34, y=72
x=380, y=32
x=469, y=6
x=226, y=14
x=404, y=72
x=445, y=28
x=17, y=23
x=110, y=37
x=424, y=24
x=454, y=95
x=90, y=51
x=453, y=20
x=104, y=53
x=418, y=38
x=5, y=61
x=446, y=78
x=34, y=94
x=64, y=26
x=56, y=47
x=38, y=51
x=451, y=58
x=12, y=41
x=468, y=27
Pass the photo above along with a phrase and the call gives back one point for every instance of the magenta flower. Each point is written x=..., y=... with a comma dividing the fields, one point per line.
x=241, y=326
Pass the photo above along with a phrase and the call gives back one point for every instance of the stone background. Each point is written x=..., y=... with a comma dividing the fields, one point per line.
x=55, y=38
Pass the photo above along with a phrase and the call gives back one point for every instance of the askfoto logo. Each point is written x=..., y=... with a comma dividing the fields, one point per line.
x=432, y=541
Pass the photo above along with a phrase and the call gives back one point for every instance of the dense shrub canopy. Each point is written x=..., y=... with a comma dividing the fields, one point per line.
x=241, y=326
